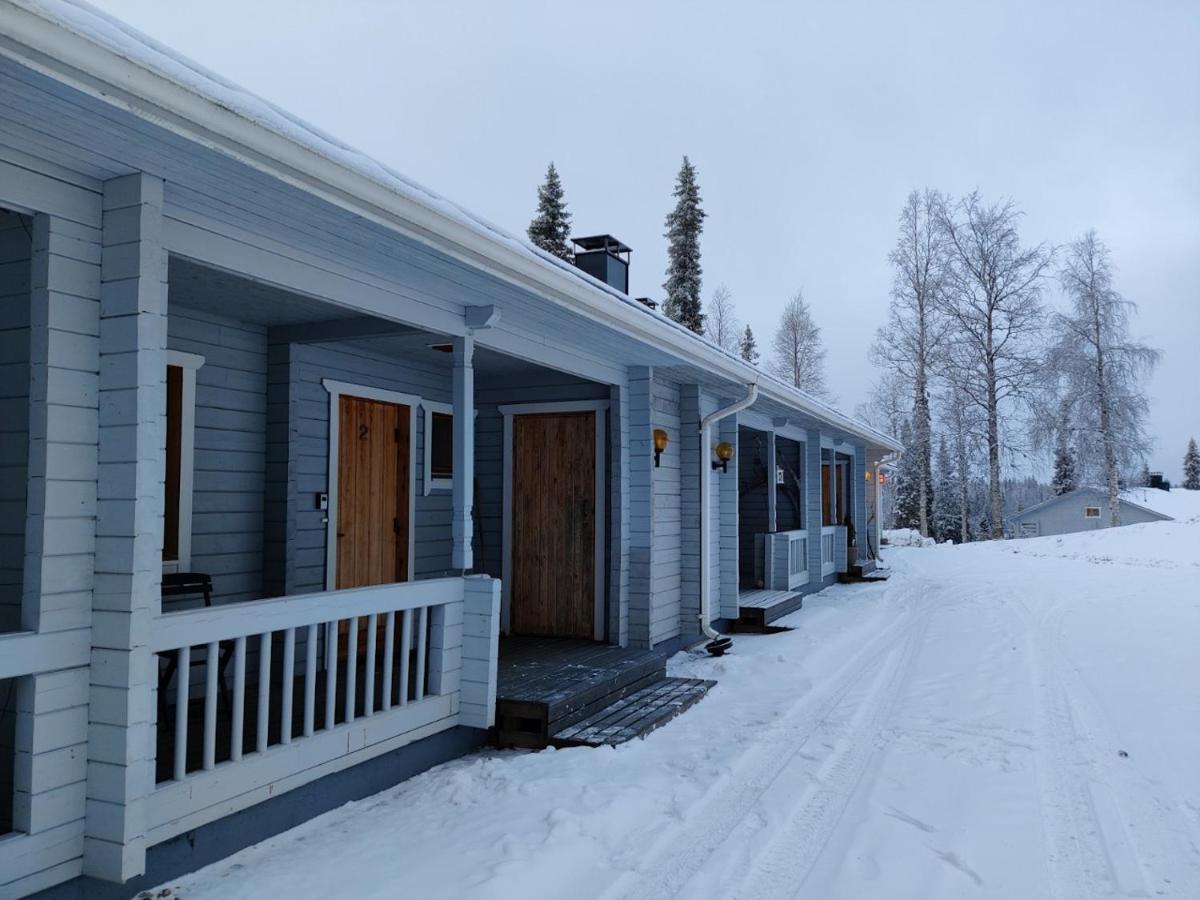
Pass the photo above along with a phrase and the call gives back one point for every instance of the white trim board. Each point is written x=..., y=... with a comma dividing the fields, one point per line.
x=337, y=390
x=516, y=409
x=429, y=483
x=189, y=363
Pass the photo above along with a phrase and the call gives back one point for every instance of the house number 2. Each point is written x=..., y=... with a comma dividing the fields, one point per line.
x=362, y=432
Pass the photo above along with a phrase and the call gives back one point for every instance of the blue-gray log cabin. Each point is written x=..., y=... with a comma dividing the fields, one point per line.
x=288, y=443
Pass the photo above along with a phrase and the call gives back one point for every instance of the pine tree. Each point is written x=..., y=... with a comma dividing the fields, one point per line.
x=946, y=522
x=1064, y=469
x=749, y=347
x=551, y=227
x=1191, y=467
x=684, y=224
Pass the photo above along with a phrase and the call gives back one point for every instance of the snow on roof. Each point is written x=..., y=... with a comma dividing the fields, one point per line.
x=1086, y=489
x=1181, y=505
x=98, y=27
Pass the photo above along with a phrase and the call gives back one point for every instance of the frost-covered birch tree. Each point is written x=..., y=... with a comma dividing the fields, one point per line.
x=798, y=356
x=1100, y=367
x=909, y=342
x=720, y=320
x=684, y=224
x=992, y=300
x=551, y=225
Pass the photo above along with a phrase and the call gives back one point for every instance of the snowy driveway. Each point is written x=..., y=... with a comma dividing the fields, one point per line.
x=1015, y=720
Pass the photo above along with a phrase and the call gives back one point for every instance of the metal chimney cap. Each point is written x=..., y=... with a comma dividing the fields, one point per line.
x=601, y=242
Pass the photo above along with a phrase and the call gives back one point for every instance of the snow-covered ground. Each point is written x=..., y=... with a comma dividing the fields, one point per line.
x=1018, y=719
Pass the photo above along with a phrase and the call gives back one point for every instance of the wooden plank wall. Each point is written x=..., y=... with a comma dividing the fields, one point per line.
x=309, y=430
x=15, y=251
x=61, y=365
x=527, y=386
x=619, y=515
x=752, y=507
x=665, y=587
x=228, y=497
x=641, y=505
x=725, y=582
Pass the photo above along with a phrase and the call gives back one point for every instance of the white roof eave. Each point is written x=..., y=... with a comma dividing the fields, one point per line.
x=81, y=46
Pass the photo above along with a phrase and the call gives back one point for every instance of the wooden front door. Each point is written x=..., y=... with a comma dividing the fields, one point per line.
x=553, y=589
x=373, y=492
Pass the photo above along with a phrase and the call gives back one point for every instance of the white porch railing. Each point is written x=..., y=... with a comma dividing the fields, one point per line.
x=342, y=676
x=828, y=565
x=784, y=559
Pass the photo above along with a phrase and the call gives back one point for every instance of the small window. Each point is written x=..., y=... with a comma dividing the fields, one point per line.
x=178, y=461
x=441, y=446
x=1091, y=512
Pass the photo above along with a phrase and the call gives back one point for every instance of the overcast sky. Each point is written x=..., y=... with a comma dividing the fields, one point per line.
x=808, y=123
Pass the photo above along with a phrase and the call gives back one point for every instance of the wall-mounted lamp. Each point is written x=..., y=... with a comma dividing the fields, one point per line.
x=661, y=439
x=867, y=476
x=724, y=451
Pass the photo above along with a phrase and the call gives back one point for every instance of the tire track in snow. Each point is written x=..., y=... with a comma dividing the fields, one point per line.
x=1147, y=838
x=796, y=844
x=736, y=795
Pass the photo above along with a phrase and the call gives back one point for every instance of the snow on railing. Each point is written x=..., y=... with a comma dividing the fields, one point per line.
x=332, y=678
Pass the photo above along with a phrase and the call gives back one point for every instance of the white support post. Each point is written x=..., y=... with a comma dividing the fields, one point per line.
x=462, y=494
x=133, y=333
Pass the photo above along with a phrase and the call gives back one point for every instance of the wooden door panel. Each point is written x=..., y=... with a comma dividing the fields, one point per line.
x=373, y=492
x=553, y=525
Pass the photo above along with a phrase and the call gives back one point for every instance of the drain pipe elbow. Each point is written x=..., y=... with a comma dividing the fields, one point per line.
x=718, y=643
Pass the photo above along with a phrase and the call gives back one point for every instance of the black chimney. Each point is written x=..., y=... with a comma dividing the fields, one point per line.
x=604, y=257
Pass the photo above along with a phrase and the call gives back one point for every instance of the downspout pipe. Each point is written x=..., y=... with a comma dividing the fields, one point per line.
x=717, y=643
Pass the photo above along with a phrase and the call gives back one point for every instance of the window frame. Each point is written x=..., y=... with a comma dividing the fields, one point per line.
x=429, y=484
x=189, y=364
x=1087, y=512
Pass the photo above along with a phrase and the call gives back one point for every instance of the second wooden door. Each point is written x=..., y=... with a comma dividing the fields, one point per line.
x=553, y=525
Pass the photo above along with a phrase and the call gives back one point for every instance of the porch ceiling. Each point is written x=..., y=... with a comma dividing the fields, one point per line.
x=211, y=290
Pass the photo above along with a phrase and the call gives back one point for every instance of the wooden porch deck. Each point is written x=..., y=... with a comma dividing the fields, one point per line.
x=562, y=692
x=759, y=608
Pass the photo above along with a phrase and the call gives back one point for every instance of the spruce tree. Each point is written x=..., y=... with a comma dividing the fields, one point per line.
x=684, y=224
x=1191, y=467
x=749, y=347
x=947, y=525
x=1064, y=469
x=551, y=226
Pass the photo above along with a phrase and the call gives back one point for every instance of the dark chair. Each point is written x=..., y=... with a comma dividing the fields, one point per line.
x=177, y=586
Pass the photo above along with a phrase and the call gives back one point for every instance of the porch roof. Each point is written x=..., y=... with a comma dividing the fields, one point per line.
x=104, y=58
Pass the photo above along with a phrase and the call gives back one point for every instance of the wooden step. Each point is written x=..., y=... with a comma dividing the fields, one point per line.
x=548, y=686
x=635, y=715
x=758, y=609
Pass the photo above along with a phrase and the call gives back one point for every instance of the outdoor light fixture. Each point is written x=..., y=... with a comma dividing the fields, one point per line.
x=660, y=444
x=724, y=451
x=867, y=476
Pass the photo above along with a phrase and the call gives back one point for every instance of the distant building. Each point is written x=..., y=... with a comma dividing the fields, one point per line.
x=1085, y=509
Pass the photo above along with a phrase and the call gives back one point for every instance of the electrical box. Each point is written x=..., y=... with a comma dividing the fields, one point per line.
x=322, y=501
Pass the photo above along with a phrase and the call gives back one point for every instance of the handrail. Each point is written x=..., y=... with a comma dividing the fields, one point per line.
x=228, y=621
